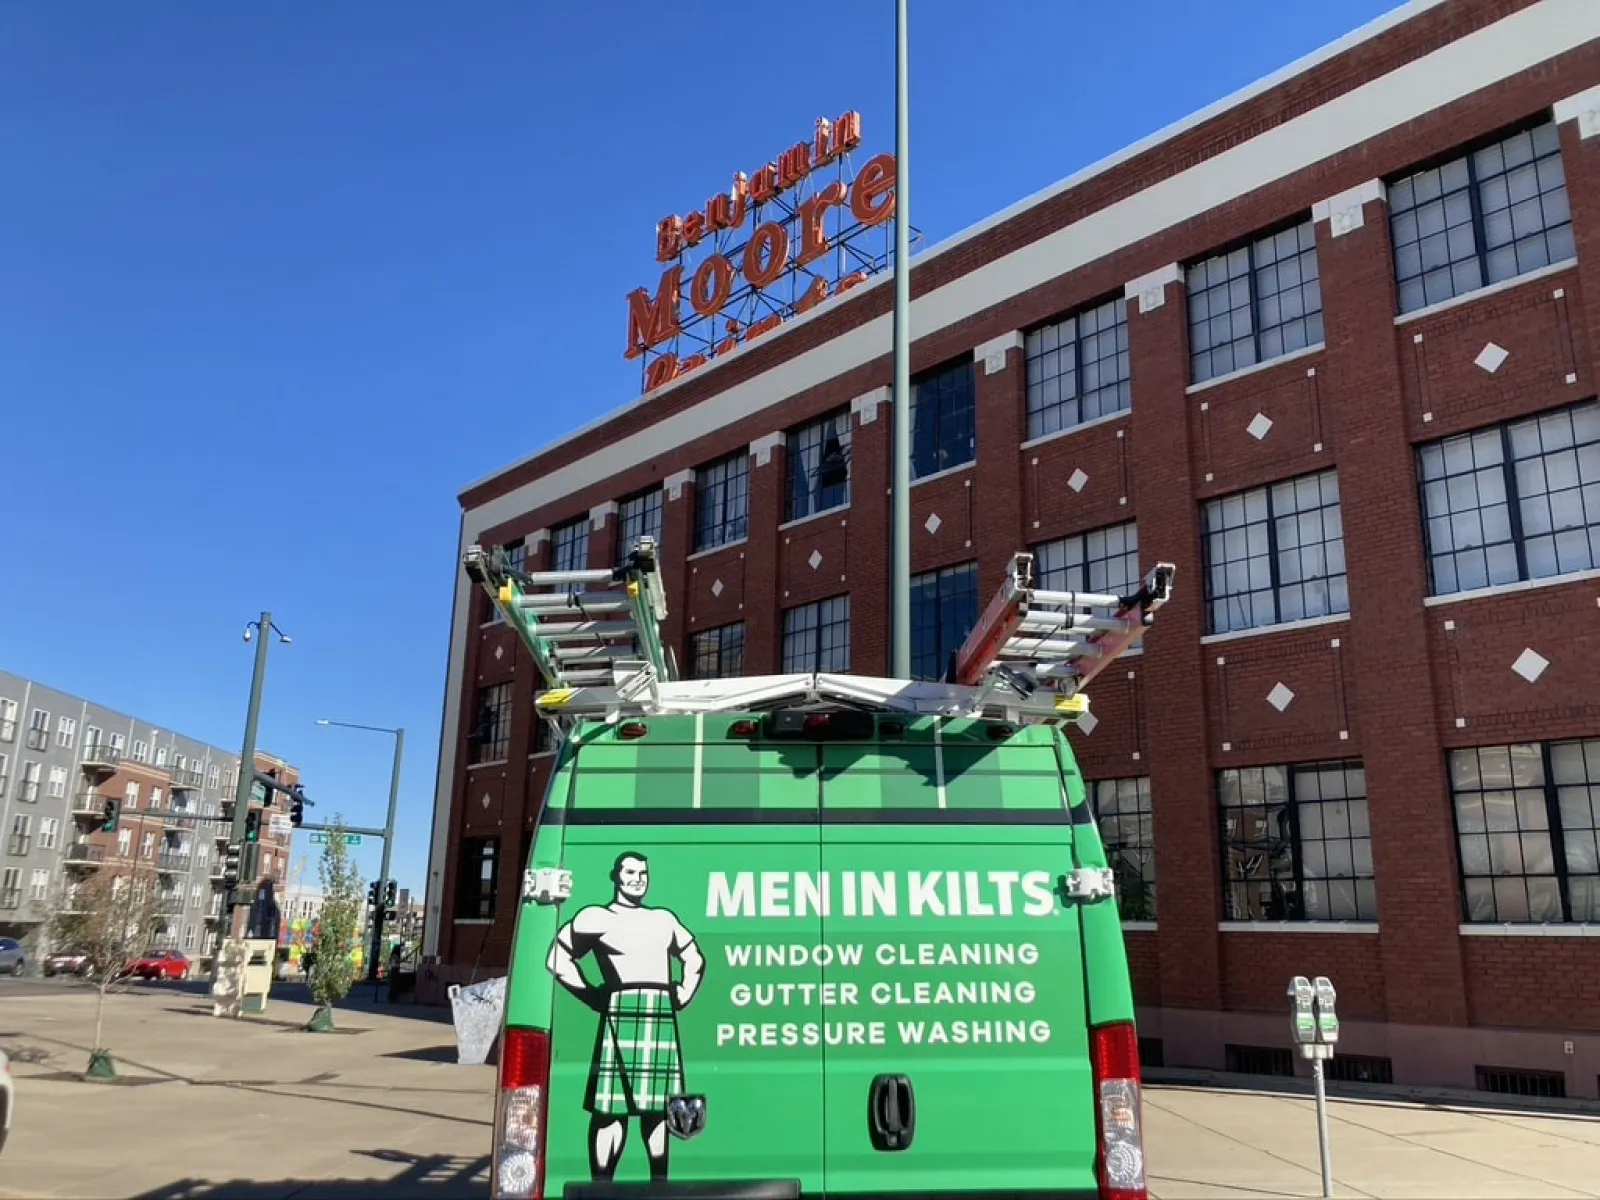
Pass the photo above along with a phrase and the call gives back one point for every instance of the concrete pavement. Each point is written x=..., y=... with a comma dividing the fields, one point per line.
x=257, y=1110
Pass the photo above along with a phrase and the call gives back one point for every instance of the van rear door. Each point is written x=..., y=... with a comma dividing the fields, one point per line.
x=945, y=844
x=685, y=963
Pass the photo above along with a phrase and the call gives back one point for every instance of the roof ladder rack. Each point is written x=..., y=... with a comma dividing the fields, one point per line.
x=594, y=634
x=1030, y=638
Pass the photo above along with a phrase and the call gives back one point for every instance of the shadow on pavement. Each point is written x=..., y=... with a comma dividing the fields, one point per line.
x=438, y=1054
x=428, y=1177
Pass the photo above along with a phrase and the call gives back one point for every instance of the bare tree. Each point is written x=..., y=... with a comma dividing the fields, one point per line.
x=333, y=972
x=109, y=917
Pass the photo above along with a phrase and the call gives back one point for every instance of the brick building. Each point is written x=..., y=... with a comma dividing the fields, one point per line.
x=1324, y=346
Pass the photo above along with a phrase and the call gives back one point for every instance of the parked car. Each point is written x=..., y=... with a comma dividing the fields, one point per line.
x=12, y=957
x=7, y=1099
x=160, y=964
x=68, y=962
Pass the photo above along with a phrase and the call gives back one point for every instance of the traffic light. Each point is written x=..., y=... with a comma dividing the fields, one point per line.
x=373, y=893
x=389, y=891
x=297, y=807
x=111, y=815
x=230, y=865
x=252, y=825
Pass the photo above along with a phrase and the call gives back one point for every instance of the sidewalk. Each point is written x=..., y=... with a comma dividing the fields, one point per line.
x=258, y=1110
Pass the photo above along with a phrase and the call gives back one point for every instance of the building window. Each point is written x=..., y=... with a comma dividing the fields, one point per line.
x=21, y=834
x=1078, y=369
x=1275, y=554
x=8, y=720
x=721, y=502
x=58, y=783
x=944, y=607
x=717, y=653
x=1513, y=502
x=1254, y=303
x=38, y=730
x=816, y=637
x=542, y=739
x=49, y=831
x=480, y=875
x=516, y=557
x=1296, y=843
x=39, y=883
x=817, y=467
x=130, y=796
x=66, y=732
x=141, y=751
x=1122, y=810
x=213, y=776
x=1526, y=818
x=490, y=737
x=569, y=546
x=637, y=517
x=28, y=786
x=1100, y=560
x=943, y=424
x=1491, y=214
x=124, y=842
x=161, y=755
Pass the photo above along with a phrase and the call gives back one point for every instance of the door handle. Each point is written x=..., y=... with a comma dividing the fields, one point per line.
x=891, y=1112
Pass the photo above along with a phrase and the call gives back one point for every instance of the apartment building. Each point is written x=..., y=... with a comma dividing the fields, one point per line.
x=1329, y=346
x=61, y=758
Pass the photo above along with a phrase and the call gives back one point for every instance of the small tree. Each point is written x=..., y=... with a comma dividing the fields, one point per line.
x=332, y=971
x=109, y=917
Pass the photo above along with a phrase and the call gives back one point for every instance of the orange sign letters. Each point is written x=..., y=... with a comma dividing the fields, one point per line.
x=793, y=241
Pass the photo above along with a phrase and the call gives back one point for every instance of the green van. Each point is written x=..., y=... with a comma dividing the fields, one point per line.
x=816, y=946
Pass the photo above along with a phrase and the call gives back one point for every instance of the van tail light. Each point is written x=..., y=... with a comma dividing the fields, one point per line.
x=1118, y=1116
x=519, y=1115
x=634, y=729
x=743, y=729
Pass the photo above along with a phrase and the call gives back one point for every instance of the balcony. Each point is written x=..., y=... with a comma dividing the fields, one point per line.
x=169, y=906
x=8, y=729
x=101, y=758
x=19, y=844
x=38, y=739
x=82, y=854
x=90, y=803
x=184, y=779
x=171, y=862
x=11, y=899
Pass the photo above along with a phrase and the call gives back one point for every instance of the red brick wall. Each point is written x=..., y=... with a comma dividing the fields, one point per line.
x=1385, y=685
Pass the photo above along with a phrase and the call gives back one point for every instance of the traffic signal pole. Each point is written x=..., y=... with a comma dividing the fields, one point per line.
x=388, y=844
x=247, y=767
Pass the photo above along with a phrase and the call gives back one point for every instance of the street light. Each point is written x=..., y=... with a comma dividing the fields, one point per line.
x=900, y=490
x=399, y=736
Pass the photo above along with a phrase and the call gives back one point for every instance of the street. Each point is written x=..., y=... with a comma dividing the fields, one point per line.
x=259, y=1110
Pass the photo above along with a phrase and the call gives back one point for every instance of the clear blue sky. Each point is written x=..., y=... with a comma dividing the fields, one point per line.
x=277, y=280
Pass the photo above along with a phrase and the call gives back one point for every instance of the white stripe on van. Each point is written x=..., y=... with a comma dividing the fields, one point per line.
x=699, y=753
x=938, y=759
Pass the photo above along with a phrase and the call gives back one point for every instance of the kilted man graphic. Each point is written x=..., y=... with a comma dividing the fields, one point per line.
x=637, y=1065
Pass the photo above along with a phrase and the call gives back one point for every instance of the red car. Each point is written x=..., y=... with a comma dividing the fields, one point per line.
x=160, y=964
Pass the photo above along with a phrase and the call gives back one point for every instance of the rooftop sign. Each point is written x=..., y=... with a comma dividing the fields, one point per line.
x=775, y=244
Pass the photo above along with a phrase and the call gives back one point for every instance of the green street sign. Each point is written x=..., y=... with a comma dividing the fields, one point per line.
x=320, y=838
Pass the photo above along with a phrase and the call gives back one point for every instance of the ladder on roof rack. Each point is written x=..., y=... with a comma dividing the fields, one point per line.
x=1030, y=638
x=586, y=629
x=595, y=636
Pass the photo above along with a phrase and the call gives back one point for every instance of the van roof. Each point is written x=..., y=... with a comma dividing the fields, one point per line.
x=699, y=764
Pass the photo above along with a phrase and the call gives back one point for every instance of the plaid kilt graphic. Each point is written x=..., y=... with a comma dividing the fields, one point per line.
x=637, y=1062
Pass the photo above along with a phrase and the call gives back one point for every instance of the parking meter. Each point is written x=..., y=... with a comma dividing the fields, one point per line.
x=1327, y=1018
x=1302, y=1009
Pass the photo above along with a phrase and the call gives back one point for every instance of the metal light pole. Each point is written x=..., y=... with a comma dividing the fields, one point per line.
x=247, y=756
x=900, y=500
x=388, y=833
